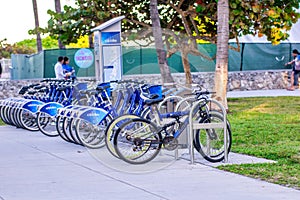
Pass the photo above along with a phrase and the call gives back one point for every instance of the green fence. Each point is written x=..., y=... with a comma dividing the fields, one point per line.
x=261, y=56
x=27, y=66
x=42, y=65
x=141, y=60
x=252, y=56
x=50, y=59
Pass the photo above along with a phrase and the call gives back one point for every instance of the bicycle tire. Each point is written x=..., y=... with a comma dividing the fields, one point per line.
x=210, y=142
x=14, y=117
x=28, y=120
x=135, y=140
x=92, y=136
x=1, y=113
x=5, y=115
x=8, y=116
x=47, y=124
x=66, y=124
x=110, y=131
x=59, y=128
x=71, y=128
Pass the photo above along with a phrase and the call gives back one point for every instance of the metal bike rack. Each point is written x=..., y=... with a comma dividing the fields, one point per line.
x=195, y=126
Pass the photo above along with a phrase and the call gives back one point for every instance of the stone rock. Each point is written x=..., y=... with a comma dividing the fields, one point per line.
x=246, y=80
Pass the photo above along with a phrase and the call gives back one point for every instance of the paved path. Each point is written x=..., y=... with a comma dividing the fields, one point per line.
x=37, y=167
x=270, y=93
x=34, y=166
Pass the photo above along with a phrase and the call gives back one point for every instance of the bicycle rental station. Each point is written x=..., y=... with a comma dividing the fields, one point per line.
x=132, y=120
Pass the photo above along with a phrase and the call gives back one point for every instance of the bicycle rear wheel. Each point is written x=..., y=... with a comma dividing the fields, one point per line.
x=111, y=129
x=210, y=142
x=137, y=141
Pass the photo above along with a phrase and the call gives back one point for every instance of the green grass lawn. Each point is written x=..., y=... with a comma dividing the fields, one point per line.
x=267, y=127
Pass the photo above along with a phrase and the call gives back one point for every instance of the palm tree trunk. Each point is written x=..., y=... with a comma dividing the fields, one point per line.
x=37, y=25
x=58, y=10
x=161, y=53
x=221, y=72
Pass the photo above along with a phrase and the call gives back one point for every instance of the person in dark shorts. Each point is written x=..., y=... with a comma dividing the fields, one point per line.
x=295, y=70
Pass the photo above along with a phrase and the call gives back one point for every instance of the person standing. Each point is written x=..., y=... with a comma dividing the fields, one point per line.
x=295, y=71
x=68, y=70
x=59, y=73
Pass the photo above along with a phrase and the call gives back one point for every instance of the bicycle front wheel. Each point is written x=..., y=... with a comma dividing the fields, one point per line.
x=28, y=120
x=210, y=142
x=137, y=141
x=92, y=136
x=47, y=124
x=111, y=129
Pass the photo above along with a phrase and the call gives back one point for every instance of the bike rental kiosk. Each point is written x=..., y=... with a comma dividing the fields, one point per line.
x=108, y=50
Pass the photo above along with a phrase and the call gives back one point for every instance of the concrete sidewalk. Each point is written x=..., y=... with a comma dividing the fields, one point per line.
x=266, y=93
x=34, y=166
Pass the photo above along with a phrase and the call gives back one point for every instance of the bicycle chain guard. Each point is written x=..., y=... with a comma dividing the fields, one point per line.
x=170, y=143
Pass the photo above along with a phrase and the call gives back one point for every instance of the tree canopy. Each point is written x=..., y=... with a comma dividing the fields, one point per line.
x=272, y=18
x=7, y=49
x=184, y=22
x=196, y=18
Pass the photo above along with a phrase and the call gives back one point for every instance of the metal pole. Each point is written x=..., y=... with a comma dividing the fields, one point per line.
x=191, y=134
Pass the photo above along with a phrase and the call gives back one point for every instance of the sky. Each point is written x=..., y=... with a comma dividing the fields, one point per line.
x=16, y=17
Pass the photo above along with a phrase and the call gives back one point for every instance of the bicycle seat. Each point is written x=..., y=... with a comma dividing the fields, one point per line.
x=102, y=87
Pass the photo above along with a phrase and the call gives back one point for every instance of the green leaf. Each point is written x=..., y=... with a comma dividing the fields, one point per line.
x=233, y=5
x=199, y=9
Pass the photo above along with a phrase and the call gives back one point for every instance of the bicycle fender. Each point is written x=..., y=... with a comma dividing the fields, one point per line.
x=94, y=115
x=32, y=106
x=51, y=108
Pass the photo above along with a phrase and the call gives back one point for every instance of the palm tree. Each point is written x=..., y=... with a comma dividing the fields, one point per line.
x=161, y=53
x=221, y=72
x=37, y=26
x=58, y=10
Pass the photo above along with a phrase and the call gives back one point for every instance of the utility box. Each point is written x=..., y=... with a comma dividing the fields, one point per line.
x=108, y=50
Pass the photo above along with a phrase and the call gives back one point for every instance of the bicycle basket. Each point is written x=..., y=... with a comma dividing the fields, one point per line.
x=155, y=89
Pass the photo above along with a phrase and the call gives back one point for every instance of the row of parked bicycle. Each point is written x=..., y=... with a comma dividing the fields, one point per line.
x=132, y=119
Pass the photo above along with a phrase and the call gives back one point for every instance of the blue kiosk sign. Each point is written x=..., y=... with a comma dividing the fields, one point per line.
x=110, y=38
x=108, y=51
